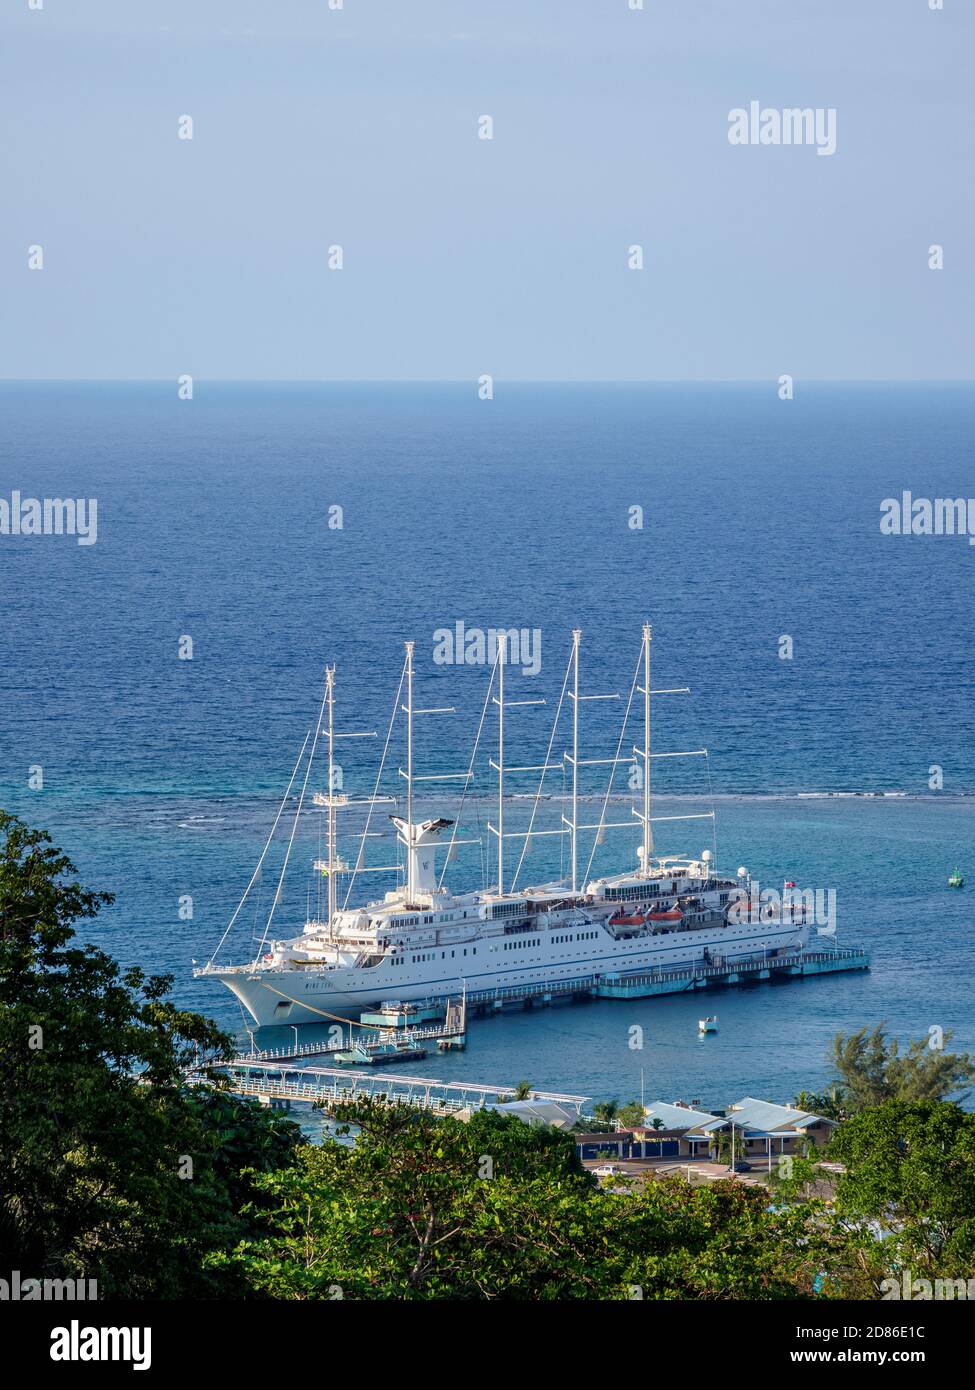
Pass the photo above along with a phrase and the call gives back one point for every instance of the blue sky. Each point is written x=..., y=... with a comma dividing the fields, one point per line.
x=359, y=127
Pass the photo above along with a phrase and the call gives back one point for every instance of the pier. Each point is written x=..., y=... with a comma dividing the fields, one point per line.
x=375, y=1039
x=437, y=1033
x=681, y=980
x=332, y=1086
x=678, y=979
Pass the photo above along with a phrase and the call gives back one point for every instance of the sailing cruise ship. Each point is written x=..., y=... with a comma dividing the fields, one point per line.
x=424, y=941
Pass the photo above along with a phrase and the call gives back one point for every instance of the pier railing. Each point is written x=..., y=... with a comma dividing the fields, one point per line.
x=334, y=1086
x=363, y=1038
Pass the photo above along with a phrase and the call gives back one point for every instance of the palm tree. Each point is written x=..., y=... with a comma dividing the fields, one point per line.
x=728, y=1145
x=606, y=1110
x=523, y=1091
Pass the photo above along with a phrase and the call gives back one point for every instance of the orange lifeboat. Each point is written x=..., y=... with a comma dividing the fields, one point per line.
x=620, y=919
x=673, y=915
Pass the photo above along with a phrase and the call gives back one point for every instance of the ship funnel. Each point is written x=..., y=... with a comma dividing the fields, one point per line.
x=420, y=847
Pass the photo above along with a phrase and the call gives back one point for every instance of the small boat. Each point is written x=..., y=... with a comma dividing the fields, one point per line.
x=621, y=919
x=956, y=880
x=674, y=914
x=708, y=1025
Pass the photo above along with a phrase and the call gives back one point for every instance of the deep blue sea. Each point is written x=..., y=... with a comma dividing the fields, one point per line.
x=760, y=521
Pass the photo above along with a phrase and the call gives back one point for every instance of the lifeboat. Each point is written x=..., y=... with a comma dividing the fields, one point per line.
x=674, y=914
x=621, y=919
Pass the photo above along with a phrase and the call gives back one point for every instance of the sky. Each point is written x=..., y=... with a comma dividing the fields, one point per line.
x=357, y=127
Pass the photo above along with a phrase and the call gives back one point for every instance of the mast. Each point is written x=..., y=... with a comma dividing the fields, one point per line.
x=576, y=639
x=409, y=772
x=647, y=828
x=330, y=696
x=502, y=654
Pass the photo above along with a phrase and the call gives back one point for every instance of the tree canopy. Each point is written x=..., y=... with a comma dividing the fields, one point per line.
x=870, y=1068
x=911, y=1168
x=110, y=1167
x=424, y=1207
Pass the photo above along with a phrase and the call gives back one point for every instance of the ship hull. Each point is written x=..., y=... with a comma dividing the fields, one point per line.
x=281, y=996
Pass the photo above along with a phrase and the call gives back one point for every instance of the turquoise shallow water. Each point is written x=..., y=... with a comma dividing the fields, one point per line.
x=761, y=519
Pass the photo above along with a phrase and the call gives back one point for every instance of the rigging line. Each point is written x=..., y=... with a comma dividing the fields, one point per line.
x=264, y=851
x=375, y=792
x=541, y=780
x=612, y=771
x=470, y=770
x=294, y=825
x=302, y=1004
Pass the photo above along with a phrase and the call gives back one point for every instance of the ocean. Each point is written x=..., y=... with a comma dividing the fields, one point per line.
x=758, y=533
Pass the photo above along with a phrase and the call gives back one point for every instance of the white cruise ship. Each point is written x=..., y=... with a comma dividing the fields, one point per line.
x=424, y=941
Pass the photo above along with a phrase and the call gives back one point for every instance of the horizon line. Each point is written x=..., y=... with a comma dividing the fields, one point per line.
x=472, y=381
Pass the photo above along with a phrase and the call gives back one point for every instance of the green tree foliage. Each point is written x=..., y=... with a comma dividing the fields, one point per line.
x=910, y=1167
x=606, y=1111
x=632, y=1114
x=831, y=1104
x=728, y=1142
x=871, y=1069
x=428, y=1208
x=110, y=1169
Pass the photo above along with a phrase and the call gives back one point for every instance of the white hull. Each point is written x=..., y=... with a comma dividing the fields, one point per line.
x=273, y=995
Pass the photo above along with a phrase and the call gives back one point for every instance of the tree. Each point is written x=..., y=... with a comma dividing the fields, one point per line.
x=523, y=1090
x=830, y=1104
x=871, y=1069
x=422, y=1207
x=606, y=1111
x=728, y=1144
x=910, y=1168
x=428, y=1207
x=632, y=1114
x=112, y=1169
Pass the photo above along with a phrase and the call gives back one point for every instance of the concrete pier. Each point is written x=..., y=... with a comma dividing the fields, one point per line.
x=680, y=980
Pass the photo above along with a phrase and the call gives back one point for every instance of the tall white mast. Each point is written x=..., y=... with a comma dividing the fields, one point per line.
x=330, y=696
x=502, y=654
x=647, y=827
x=409, y=772
x=576, y=639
